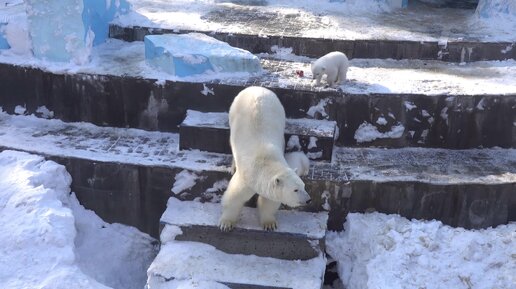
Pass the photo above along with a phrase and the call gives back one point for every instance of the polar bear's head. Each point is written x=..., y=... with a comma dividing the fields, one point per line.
x=289, y=189
x=318, y=70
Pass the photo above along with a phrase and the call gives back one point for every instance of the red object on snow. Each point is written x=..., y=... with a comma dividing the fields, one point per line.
x=300, y=73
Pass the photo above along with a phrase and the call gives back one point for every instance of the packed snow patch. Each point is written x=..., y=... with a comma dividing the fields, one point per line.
x=387, y=251
x=184, y=180
x=367, y=132
x=49, y=240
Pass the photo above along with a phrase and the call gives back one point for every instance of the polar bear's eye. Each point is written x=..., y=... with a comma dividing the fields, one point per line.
x=296, y=190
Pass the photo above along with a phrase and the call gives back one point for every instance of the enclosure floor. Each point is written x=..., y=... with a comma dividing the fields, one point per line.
x=306, y=19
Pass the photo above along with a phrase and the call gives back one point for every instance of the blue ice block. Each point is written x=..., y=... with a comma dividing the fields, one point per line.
x=98, y=14
x=64, y=30
x=195, y=53
x=3, y=41
x=495, y=8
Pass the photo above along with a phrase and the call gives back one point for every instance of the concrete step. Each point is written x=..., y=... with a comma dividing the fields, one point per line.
x=463, y=111
x=126, y=175
x=178, y=261
x=452, y=51
x=415, y=33
x=300, y=235
x=210, y=132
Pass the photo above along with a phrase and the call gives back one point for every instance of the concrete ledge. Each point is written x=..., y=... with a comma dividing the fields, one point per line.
x=471, y=120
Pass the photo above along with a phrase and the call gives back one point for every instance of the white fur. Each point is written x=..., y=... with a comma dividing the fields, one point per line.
x=257, y=126
x=334, y=64
x=299, y=162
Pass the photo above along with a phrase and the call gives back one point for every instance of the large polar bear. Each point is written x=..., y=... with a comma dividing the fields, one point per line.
x=334, y=64
x=257, y=126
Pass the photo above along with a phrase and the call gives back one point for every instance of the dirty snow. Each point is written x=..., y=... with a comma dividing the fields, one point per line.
x=49, y=240
x=350, y=19
x=387, y=251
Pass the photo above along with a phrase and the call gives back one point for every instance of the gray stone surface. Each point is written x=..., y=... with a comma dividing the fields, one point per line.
x=252, y=242
x=299, y=236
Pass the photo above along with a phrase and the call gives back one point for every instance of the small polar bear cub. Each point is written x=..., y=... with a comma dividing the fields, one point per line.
x=257, y=128
x=334, y=64
x=299, y=162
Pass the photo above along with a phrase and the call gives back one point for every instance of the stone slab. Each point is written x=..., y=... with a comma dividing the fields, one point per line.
x=210, y=132
x=180, y=260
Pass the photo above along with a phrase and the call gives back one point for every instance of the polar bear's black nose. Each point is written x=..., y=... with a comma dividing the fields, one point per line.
x=309, y=201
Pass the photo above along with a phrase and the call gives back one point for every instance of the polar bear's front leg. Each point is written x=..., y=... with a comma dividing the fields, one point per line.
x=267, y=210
x=233, y=200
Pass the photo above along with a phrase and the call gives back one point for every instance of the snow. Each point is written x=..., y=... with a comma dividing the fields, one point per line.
x=367, y=132
x=45, y=112
x=20, y=109
x=387, y=251
x=195, y=53
x=113, y=254
x=178, y=213
x=184, y=180
x=319, y=108
x=48, y=240
x=293, y=143
x=409, y=105
x=214, y=194
x=381, y=121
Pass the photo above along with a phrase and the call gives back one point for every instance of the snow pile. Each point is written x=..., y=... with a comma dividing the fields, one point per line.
x=388, y=251
x=114, y=254
x=48, y=240
x=367, y=132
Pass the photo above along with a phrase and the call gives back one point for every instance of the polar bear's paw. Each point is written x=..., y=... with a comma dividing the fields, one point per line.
x=269, y=225
x=226, y=225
